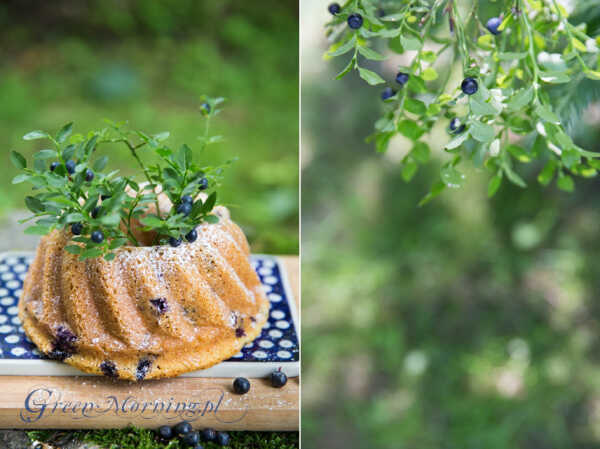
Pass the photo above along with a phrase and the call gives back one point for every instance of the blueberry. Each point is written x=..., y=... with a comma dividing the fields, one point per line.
x=191, y=236
x=493, y=24
x=187, y=199
x=455, y=126
x=95, y=212
x=165, y=432
x=174, y=242
x=190, y=439
x=65, y=339
x=57, y=354
x=469, y=86
x=109, y=368
x=203, y=183
x=402, y=78
x=70, y=166
x=143, y=368
x=388, y=92
x=240, y=332
x=222, y=439
x=76, y=228
x=161, y=305
x=241, y=385
x=184, y=208
x=183, y=428
x=205, y=108
x=53, y=166
x=334, y=8
x=89, y=175
x=97, y=237
x=278, y=379
x=355, y=21
x=209, y=435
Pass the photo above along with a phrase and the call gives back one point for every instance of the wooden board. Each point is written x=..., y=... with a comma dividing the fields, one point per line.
x=96, y=402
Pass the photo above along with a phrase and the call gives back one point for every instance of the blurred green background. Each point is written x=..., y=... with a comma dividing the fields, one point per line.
x=468, y=323
x=148, y=62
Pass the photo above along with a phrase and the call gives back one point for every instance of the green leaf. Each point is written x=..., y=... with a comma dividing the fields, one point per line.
x=546, y=114
x=370, y=77
x=436, y=189
x=64, y=133
x=429, y=74
x=452, y=177
x=212, y=219
x=482, y=131
x=565, y=182
x=346, y=70
x=511, y=56
x=592, y=74
x=410, y=129
x=21, y=178
x=457, y=141
x=420, y=152
x=494, y=183
x=33, y=135
x=513, y=176
x=519, y=153
x=570, y=157
x=161, y=136
x=111, y=220
x=344, y=48
x=555, y=77
x=547, y=172
x=210, y=202
x=414, y=106
x=46, y=154
x=371, y=54
x=74, y=217
x=74, y=249
x=34, y=204
x=37, y=230
x=520, y=99
x=482, y=107
x=100, y=164
x=18, y=160
x=408, y=170
x=411, y=42
x=152, y=221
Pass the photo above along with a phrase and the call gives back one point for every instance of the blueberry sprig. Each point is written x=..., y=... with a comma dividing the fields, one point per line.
x=72, y=189
x=520, y=69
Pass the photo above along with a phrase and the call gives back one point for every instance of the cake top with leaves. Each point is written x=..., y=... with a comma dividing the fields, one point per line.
x=74, y=191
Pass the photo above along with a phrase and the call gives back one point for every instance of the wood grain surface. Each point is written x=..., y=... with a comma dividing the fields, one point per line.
x=97, y=402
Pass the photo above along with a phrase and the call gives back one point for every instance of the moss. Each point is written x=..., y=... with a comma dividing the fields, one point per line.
x=136, y=438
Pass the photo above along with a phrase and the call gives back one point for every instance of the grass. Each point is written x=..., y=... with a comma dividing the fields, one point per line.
x=136, y=438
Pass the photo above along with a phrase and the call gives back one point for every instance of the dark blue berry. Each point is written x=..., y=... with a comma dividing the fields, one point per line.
x=174, y=242
x=182, y=428
x=53, y=166
x=161, y=305
x=469, y=86
x=191, y=236
x=108, y=368
x=205, y=108
x=142, y=368
x=65, y=339
x=355, y=21
x=388, y=92
x=240, y=332
x=208, y=435
x=89, y=175
x=187, y=199
x=241, y=385
x=203, y=183
x=70, y=166
x=57, y=354
x=278, y=379
x=334, y=8
x=165, y=432
x=184, y=208
x=402, y=78
x=76, y=228
x=493, y=24
x=222, y=439
x=191, y=439
x=95, y=212
x=456, y=127
x=97, y=237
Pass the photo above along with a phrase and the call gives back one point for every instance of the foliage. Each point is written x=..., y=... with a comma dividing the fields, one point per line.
x=526, y=66
x=136, y=438
x=72, y=189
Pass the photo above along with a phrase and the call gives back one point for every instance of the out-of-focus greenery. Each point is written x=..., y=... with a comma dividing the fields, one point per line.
x=467, y=323
x=148, y=62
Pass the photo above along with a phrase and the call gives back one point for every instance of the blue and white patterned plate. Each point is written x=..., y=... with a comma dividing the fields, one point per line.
x=276, y=347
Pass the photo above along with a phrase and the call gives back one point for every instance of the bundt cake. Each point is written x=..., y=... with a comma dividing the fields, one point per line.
x=152, y=311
